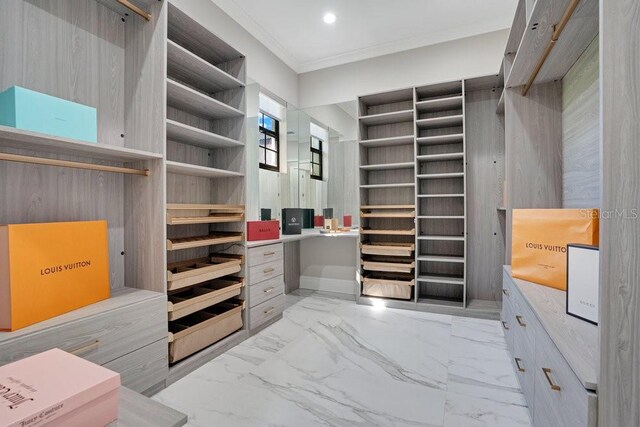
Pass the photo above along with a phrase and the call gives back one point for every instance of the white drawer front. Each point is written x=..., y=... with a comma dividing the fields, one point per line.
x=262, y=313
x=262, y=272
x=266, y=290
x=264, y=254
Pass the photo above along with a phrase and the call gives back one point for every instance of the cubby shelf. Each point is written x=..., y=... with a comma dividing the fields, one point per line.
x=21, y=139
x=434, y=278
x=441, y=258
x=439, y=196
x=447, y=103
x=438, y=302
x=388, y=166
x=197, y=72
x=387, y=118
x=191, y=135
x=137, y=7
x=441, y=237
x=387, y=214
x=188, y=99
x=215, y=238
x=365, y=231
x=202, y=171
x=440, y=217
x=440, y=122
x=441, y=175
x=384, y=142
x=456, y=138
x=440, y=157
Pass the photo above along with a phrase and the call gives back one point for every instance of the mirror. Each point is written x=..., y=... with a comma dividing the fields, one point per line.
x=317, y=157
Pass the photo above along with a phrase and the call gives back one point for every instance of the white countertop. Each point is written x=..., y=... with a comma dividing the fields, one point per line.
x=306, y=234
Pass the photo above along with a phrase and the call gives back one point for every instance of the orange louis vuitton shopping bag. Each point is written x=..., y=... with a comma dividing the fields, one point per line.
x=539, y=242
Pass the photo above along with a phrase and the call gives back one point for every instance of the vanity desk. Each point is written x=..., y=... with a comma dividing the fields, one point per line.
x=311, y=260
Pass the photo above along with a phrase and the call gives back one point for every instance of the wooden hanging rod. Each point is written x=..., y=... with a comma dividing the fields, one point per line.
x=557, y=30
x=70, y=164
x=135, y=9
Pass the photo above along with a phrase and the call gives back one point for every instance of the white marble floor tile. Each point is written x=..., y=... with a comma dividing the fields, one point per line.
x=465, y=411
x=330, y=362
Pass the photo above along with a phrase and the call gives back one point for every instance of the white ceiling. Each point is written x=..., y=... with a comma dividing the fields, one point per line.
x=294, y=29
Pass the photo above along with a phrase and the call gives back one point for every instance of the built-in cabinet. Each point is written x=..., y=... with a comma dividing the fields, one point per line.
x=432, y=239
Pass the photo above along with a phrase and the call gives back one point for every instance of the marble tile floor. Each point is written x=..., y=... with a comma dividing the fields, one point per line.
x=331, y=362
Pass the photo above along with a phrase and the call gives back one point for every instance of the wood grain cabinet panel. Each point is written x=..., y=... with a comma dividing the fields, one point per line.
x=266, y=290
x=143, y=368
x=265, y=271
x=264, y=254
x=266, y=311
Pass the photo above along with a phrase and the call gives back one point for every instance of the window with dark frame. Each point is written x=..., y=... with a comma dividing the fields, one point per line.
x=269, y=142
x=316, y=158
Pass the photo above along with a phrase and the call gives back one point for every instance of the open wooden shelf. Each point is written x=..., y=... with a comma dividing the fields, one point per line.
x=455, y=138
x=387, y=248
x=26, y=140
x=398, y=185
x=138, y=8
x=440, y=104
x=388, y=265
x=385, y=142
x=440, y=301
x=440, y=122
x=379, y=207
x=212, y=214
x=441, y=258
x=387, y=214
x=441, y=175
x=383, y=278
x=436, y=278
x=196, y=298
x=191, y=135
x=388, y=166
x=192, y=272
x=188, y=99
x=195, y=71
x=441, y=237
x=440, y=157
x=215, y=238
x=387, y=118
x=440, y=217
x=447, y=195
x=365, y=231
x=202, y=171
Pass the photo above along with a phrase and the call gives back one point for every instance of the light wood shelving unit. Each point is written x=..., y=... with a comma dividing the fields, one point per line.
x=205, y=126
x=450, y=258
x=387, y=165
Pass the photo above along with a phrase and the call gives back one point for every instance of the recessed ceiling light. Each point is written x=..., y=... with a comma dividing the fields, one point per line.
x=329, y=18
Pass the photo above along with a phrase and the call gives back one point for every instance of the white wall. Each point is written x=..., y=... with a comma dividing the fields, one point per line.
x=468, y=57
x=263, y=66
x=336, y=118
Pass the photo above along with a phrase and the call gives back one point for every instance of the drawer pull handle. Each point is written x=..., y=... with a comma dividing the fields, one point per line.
x=268, y=270
x=547, y=374
x=518, y=360
x=269, y=311
x=505, y=292
x=269, y=290
x=520, y=322
x=85, y=348
x=269, y=253
x=505, y=325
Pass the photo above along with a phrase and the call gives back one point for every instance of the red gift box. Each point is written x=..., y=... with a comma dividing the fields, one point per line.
x=346, y=221
x=263, y=230
x=318, y=221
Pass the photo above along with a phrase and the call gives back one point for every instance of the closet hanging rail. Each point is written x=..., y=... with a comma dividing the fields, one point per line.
x=70, y=164
x=557, y=30
x=135, y=9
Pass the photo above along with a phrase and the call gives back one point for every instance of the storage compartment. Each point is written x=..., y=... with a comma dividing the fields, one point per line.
x=264, y=254
x=266, y=290
x=199, y=297
x=263, y=313
x=391, y=265
x=215, y=238
x=200, y=330
x=398, y=286
x=388, y=248
x=187, y=273
x=184, y=214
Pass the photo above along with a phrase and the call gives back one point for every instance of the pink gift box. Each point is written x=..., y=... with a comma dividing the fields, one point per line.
x=56, y=388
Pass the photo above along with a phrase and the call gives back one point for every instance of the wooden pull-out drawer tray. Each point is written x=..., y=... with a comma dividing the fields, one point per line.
x=264, y=254
x=266, y=290
x=193, y=299
x=397, y=285
x=262, y=272
x=262, y=313
x=390, y=265
x=215, y=238
x=388, y=248
x=100, y=332
x=203, y=328
x=188, y=273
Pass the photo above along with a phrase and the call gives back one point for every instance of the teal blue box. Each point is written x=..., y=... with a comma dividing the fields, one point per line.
x=36, y=112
